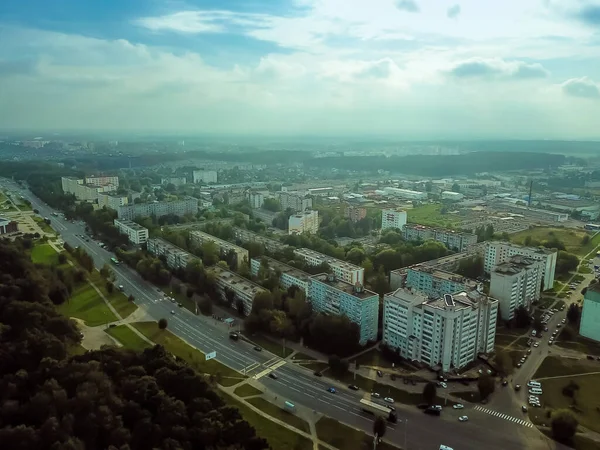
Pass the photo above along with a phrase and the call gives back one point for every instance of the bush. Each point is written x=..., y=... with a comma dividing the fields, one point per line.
x=564, y=425
x=570, y=389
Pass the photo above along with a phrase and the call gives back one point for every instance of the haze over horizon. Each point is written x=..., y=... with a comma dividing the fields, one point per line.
x=413, y=68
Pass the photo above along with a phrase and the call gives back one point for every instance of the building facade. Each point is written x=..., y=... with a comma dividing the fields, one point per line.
x=432, y=282
x=112, y=201
x=102, y=181
x=516, y=282
x=304, y=222
x=329, y=295
x=176, y=257
x=455, y=240
x=446, y=333
x=225, y=248
x=590, y=314
x=391, y=218
x=272, y=245
x=84, y=191
x=450, y=195
x=295, y=201
x=175, y=181
x=242, y=288
x=8, y=226
x=136, y=233
x=289, y=276
x=355, y=213
x=255, y=199
x=341, y=269
x=499, y=252
x=158, y=209
x=204, y=176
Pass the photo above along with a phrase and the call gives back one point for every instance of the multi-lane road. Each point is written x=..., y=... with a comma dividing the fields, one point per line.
x=297, y=384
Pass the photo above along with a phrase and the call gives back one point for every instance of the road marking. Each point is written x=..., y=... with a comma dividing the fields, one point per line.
x=516, y=420
x=269, y=369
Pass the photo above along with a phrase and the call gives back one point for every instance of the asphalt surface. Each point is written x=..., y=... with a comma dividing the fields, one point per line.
x=297, y=384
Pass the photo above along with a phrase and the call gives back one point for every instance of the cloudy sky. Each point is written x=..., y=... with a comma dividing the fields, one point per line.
x=408, y=68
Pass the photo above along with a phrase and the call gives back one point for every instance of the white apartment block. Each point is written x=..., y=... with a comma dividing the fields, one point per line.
x=158, y=209
x=204, y=176
x=176, y=257
x=499, y=252
x=102, y=181
x=329, y=295
x=446, y=333
x=289, y=276
x=112, y=201
x=297, y=202
x=255, y=199
x=175, y=181
x=199, y=237
x=431, y=281
x=454, y=240
x=243, y=289
x=341, y=269
x=136, y=233
x=304, y=222
x=272, y=245
x=391, y=218
x=83, y=191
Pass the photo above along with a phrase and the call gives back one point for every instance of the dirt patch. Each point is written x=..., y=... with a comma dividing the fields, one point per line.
x=94, y=337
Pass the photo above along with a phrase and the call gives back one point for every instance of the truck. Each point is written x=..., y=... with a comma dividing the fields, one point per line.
x=377, y=409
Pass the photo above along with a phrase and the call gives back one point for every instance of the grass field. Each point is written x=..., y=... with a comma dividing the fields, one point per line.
x=43, y=225
x=431, y=215
x=279, y=438
x=554, y=366
x=117, y=299
x=268, y=344
x=87, y=305
x=194, y=357
x=581, y=344
x=44, y=254
x=278, y=413
x=128, y=338
x=247, y=390
x=570, y=237
x=345, y=437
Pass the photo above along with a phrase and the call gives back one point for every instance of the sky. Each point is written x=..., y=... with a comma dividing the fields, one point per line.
x=414, y=69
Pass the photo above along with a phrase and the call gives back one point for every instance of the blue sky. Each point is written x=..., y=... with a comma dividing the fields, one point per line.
x=410, y=68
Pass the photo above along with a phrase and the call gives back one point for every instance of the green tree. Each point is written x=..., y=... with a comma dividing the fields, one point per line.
x=131, y=298
x=162, y=324
x=522, y=317
x=574, y=314
x=429, y=393
x=564, y=425
x=379, y=429
x=504, y=362
x=485, y=385
x=110, y=287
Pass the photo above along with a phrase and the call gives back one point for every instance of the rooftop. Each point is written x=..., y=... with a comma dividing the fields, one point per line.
x=460, y=300
x=441, y=274
x=357, y=290
x=325, y=258
x=540, y=250
x=285, y=268
x=235, y=281
x=441, y=230
x=224, y=244
x=515, y=265
x=131, y=224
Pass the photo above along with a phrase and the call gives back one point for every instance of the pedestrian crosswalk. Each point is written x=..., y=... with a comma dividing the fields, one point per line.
x=267, y=367
x=504, y=416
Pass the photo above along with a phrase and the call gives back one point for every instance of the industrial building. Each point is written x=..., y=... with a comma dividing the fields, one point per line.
x=136, y=233
x=454, y=240
x=391, y=218
x=405, y=193
x=446, y=333
x=304, y=222
x=197, y=238
x=454, y=196
x=188, y=205
x=431, y=281
x=532, y=213
x=341, y=269
x=289, y=276
x=590, y=314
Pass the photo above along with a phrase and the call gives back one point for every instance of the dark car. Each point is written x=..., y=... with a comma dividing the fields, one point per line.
x=504, y=383
x=422, y=406
x=517, y=387
x=590, y=357
x=432, y=411
x=379, y=373
x=317, y=374
x=257, y=348
x=234, y=336
x=272, y=375
x=353, y=387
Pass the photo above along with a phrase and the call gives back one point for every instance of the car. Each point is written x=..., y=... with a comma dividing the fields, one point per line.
x=180, y=305
x=444, y=385
x=590, y=357
x=432, y=411
x=524, y=408
x=550, y=342
x=317, y=374
x=463, y=418
x=519, y=365
x=379, y=373
x=438, y=407
x=517, y=387
x=536, y=345
x=273, y=376
x=504, y=383
x=458, y=406
x=331, y=389
x=375, y=395
x=388, y=400
x=353, y=387
x=257, y=348
x=172, y=312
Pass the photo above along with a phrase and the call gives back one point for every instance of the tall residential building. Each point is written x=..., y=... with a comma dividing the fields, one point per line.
x=499, y=252
x=445, y=333
x=111, y=200
x=391, y=218
x=102, y=181
x=188, y=205
x=304, y=222
x=516, y=282
x=355, y=213
x=288, y=275
x=176, y=257
x=272, y=245
x=455, y=240
x=341, y=269
x=332, y=296
x=204, y=176
x=136, y=233
x=242, y=288
x=295, y=201
x=431, y=281
x=589, y=326
x=199, y=237
x=256, y=199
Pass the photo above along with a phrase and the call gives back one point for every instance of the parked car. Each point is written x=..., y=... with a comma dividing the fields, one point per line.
x=458, y=406
x=444, y=385
x=353, y=387
x=379, y=373
x=317, y=374
x=375, y=395
x=524, y=408
x=463, y=418
x=432, y=411
x=257, y=348
x=388, y=400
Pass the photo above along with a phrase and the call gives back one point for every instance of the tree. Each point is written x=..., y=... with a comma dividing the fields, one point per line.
x=110, y=287
x=574, y=314
x=379, y=429
x=504, y=363
x=486, y=385
x=455, y=187
x=262, y=300
x=62, y=258
x=337, y=365
x=240, y=307
x=429, y=393
x=205, y=305
x=162, y=324
x=564, y=425
x=522, y=317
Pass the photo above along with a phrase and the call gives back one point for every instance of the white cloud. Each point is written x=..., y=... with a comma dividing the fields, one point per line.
x=490, y=69
x=581, y=88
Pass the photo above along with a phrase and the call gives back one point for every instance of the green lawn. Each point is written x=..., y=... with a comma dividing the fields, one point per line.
x=581, y=344
x=278, y=413
x=554, y=366
x=87, y=305
x=372, y=358
x=43, y=225
x=194, y=357
x=570, y=237
x=346, y=438
x=247, y=390
x=75, y=349
x=128, y=337
x=117, y=299
x=279, y=438
x=431, y=215
x=268, y=344
x=44, y=254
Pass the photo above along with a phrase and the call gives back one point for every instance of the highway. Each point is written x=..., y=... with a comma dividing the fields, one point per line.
x=298, y=384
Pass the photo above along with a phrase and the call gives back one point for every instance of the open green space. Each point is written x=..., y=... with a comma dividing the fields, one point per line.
x=75, y=349
x=554, y=366
x=278, y=413
x=43, y=225
x=344, y=437
x=372, y=358
x=87, y=305
x=128, y=338
x=571, y=238
x=247, y=390
x=432, y=215
x=505, y=339
x=279, y=438
x=195, y=358
x=581, y=344
x=117, y=299
x=268, y=344
x=44, y=254
x=545, y=302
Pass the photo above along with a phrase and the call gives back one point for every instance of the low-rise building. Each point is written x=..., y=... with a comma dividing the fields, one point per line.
x=589, y=326
x=431, y=281
x=176, y=257
x=136, y=233
x=391, y=218
x=341, y=269
x=288, y=275
x=446, y=333
x=405, y=193
x=304, y=222
x=242, y=288
x=226, y=248
x=272, y=245
x=532, y=213
x=333, y=296
x=455, y=240
x=8, y=226
x=188, y=205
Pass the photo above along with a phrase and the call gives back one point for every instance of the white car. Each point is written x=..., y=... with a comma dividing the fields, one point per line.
x=536, y=345
x=444, y=385
x=375, y=395
x=458, y=406
x=463, y=418
x=388, y=400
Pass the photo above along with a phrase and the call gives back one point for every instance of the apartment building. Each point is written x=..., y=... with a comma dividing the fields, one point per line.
x=455, y=240
x=590, y=314
x=329, y=295
x=175, y=181
x=243, y=289
x=516, y=282
x=446, y=333
x=499, y=252
x=83, y=191
x=255, y=199
x=355, y=213
x=431, y=281
x=176, y=257
x=111, y=200
x=272, y=245
x=199, y=237
x=102, y=181
x=304, y=222
x=341, y=269
x=204, y=176
x=391, y=218
x=136, y=233
x=297, y=202
x=288, y=275
x=188, y=205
